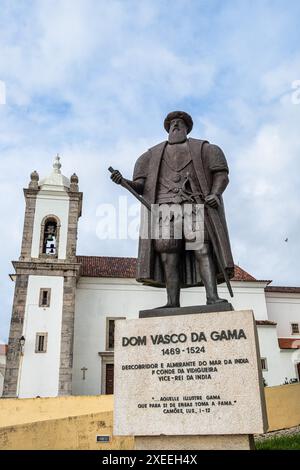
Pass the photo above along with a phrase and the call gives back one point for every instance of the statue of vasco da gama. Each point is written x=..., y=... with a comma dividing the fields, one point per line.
x=183, y=170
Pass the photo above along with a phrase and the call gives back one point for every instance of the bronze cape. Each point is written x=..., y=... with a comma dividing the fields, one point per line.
x=207, y=159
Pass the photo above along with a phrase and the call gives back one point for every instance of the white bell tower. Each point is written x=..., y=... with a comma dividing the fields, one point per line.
x=40, y=350
x=51, y=215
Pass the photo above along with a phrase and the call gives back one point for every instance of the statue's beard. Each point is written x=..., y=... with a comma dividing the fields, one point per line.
x=176, y=136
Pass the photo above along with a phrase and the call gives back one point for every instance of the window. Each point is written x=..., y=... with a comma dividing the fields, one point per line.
x=264, y=364
x=49, y=236
x=44, y=297
x=295, y=328
x=41, y=342
x=110, y=332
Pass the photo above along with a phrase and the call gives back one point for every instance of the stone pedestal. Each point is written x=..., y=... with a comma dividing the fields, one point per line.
x=167, y=312
x=232, y=442
x=189, y=382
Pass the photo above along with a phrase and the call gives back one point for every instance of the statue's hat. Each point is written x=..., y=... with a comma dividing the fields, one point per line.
x=179, y=115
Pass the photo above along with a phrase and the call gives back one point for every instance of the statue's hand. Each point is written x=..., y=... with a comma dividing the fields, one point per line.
x=116, y=177
x=212, y=200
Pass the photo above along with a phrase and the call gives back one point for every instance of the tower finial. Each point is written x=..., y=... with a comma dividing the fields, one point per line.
x=74, y=182
x=57, y=164
x=34, y=180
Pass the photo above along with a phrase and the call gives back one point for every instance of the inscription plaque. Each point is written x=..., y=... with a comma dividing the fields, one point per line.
x=194, y=374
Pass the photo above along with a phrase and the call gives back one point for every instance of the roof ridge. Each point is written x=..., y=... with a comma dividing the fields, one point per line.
x=288, y=289
x=106, y=257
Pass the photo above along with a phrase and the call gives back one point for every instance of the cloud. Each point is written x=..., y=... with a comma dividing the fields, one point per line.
x=268, y=199
x=93, y=80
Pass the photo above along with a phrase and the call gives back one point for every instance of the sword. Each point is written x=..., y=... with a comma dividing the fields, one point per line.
x=208, y=224
x=132, y=191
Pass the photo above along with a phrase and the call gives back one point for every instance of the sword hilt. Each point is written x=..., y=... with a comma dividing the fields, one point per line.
x=127, y=186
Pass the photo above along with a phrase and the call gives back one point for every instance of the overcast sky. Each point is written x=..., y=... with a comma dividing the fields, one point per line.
x=93, y=80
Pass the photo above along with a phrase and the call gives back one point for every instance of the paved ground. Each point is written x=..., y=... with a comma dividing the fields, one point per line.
x=282, y=432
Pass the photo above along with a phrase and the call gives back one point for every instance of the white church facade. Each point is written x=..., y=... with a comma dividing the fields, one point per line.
x=61, y=339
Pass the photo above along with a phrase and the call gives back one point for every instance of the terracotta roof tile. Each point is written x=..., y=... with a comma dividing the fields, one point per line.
x=110, y=266
x=242, y=275
x=107, y=266
x=3, y=349
x=289, y=343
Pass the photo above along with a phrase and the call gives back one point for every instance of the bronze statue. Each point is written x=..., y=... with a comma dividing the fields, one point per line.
x=179, y=171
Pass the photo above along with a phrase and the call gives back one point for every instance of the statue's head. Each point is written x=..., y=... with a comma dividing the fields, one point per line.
x=178, y=124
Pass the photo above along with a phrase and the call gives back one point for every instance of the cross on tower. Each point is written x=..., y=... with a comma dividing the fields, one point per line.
x=84, y=369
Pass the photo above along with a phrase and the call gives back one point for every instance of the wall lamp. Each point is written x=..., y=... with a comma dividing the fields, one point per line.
x=22, y=344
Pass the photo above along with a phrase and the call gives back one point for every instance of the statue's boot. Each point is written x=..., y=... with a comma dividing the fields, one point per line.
x=208, y=275
x=211, y=301
x=170, y=263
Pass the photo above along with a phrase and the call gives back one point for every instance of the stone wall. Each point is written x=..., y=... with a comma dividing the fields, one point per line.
x=283, y=406
x=67, y=335
x=59, y=423
x=30, y=197
x=15, y=333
